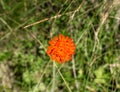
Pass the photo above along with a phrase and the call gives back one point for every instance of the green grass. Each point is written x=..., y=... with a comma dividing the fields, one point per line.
x=27, y=26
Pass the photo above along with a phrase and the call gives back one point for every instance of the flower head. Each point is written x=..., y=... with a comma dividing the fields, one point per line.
x=61, y=48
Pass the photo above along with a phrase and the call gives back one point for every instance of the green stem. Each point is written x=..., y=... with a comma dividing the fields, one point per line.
x=53, y=84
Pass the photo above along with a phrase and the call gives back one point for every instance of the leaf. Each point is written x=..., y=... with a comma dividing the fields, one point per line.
x=100, y=74
x=5, y=55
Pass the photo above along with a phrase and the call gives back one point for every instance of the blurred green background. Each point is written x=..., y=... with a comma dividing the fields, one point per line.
x=26, y=26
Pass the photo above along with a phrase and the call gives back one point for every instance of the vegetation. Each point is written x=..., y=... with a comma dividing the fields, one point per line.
x=27, y=26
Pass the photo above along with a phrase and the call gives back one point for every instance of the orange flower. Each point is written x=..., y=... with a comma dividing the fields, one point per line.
x=61, y=48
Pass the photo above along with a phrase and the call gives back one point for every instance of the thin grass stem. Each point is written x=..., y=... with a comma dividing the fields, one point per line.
x=63, y=78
